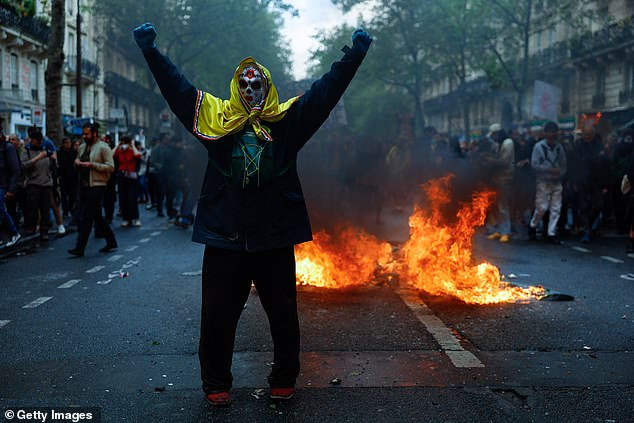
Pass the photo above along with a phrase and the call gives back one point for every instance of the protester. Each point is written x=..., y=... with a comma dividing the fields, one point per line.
x=549, y=163
x=252, y=210
x=158, y=157
x=590, y=179
x=502, y=181
x=144, y=196
x=9, y=172
x=38, y=164
x=127, y=157
x=95, y=164
x=16, y=204
x=67, y=176
x=110, y=194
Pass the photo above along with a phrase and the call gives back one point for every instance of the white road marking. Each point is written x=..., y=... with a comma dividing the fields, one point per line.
x=132, y=248
x=628, y=277
x=441, y=333
x=69, y=284
x=144, y=240
x=155, y=233
x=612, y=259
x=38, y=302
x=116, y=257
x=581, y=249
x=95, y=269
x=106, y=282
x=631, y=255
x=197, y=273
x=4, y=322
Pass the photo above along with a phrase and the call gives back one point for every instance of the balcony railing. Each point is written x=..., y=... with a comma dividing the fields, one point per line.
x=120, y=86
x=609, y=37
x=88, y=68
x=28, y=24
x=19, y=94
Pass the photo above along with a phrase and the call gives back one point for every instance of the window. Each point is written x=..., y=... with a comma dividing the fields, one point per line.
x=14, y=72
x=34, y=81
x=600, y=87
x=551, y=37
x=73, y=98
x=71, y=45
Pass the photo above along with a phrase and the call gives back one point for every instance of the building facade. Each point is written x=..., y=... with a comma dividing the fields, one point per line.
x=23, y=41
x=114, y=85
x=593, y=74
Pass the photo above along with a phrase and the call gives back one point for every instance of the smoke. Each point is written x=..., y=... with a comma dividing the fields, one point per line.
x=372, y=183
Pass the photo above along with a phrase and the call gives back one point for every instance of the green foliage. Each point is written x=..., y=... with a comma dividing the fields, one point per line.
x=21, y=7
x=205, y=38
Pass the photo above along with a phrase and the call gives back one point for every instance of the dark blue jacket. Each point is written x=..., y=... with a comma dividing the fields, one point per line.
x=274, y=215
x=9, y=166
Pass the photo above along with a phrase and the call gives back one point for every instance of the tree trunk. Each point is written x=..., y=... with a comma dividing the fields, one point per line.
x=53, y=75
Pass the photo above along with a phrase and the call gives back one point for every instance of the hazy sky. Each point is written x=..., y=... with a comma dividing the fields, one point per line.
x=314, y=17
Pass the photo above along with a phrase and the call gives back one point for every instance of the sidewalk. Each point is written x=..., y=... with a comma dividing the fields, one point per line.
x=28, y=241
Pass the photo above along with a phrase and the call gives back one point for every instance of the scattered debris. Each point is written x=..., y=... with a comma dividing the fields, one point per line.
x=335, y=381
x=258, y=393
x=557, y=296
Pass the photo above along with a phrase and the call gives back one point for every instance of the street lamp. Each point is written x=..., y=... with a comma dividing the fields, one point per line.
x=78, y=65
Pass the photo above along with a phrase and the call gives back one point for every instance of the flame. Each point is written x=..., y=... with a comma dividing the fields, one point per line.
x=350, y=258
x=438, y=257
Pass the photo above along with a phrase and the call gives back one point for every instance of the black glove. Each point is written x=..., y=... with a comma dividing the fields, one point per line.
x=144, y=35
x=361, y=41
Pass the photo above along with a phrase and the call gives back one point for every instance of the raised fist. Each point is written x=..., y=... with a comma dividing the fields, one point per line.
x=144, y=35
x=361, y=40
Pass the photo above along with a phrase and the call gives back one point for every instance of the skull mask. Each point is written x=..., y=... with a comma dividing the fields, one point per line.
x=252, y=86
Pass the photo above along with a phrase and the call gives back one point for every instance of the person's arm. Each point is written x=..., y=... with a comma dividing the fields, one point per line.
x=28, y=163
x=179, y=93
x=312, y=108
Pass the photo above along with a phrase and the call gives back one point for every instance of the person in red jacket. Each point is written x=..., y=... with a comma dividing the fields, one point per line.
x=127, y=157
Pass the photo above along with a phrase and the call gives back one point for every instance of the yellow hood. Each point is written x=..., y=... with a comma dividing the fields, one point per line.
x=216, y=118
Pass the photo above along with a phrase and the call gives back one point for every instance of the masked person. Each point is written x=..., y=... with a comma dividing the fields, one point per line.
x=251, y=211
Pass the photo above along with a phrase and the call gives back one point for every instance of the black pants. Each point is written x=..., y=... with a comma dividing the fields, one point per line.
x=69, y=195
x=128, y=198
x=38, y=200
x=90, y=203
x=226, y=280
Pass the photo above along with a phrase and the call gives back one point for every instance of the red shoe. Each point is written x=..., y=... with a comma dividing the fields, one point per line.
x=219, y=399
x=283, y=394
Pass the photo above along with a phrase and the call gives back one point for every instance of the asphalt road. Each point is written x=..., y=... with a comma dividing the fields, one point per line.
x=75, y=332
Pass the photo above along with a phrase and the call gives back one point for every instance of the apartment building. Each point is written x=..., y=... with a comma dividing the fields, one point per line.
x=23, y=41
x=593, y=74
x=114, y=84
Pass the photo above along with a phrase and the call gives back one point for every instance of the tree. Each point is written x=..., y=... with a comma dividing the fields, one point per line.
x=53, y=74
x=205, y=38
x=511, y=25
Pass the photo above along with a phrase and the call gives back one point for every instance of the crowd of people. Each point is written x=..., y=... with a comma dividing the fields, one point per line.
x=550, y=183
x=83, y=181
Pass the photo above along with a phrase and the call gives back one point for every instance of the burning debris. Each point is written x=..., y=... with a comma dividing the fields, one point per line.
x=437, y=258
